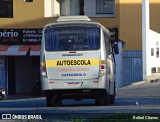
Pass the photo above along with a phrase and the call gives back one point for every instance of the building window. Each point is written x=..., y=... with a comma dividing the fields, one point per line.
x=105, y=6
x=157, y=52
x=6, y=8
x=158, y=70
x=71, y=7
x=28, y=0
x=153, y=70
x=152, y=51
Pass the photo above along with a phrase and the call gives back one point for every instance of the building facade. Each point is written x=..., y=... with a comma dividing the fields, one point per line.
x=21, y=23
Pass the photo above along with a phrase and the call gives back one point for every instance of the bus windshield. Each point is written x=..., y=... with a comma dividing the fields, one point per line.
x=72, y=38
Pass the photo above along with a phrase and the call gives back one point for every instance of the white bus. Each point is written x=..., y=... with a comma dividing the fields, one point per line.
x=77, y=61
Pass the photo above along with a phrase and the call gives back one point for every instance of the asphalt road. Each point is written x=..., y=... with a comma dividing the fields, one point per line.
x=85, y=108
x=128, y=100
x=122, y=105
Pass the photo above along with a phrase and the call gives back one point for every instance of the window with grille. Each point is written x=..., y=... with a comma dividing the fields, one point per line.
x=105, y=6
x=28, y=0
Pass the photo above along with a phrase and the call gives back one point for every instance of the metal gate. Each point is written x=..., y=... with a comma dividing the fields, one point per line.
x=132, y=67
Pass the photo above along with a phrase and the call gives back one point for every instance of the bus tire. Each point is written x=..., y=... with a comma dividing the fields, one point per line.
x=106, y=99
x=98, y=101
x=49, y=100
x=112, y=99
x=57, y=101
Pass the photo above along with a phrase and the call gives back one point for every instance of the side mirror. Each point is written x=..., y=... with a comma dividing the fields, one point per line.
x=115, y=48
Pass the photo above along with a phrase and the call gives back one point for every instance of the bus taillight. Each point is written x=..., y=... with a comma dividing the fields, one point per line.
x=43, y=68
x=102, y=66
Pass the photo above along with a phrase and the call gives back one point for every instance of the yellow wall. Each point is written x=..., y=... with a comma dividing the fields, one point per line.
x=155, y=15
x=31, y=15
x=131, y=22
x=128, y=17
x=26, y=15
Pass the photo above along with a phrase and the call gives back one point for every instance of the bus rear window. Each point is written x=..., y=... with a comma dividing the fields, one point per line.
x=72, y=38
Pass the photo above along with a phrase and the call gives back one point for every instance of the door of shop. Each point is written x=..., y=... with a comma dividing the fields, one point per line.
x=11, y=75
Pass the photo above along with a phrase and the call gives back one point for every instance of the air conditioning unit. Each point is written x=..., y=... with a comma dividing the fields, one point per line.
x=72, y=18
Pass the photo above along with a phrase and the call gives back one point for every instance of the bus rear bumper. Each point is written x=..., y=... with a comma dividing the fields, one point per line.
x=52, y=84
x=77, y=94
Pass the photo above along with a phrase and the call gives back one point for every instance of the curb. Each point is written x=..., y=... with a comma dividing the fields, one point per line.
x=139, y=83
x=145, y=82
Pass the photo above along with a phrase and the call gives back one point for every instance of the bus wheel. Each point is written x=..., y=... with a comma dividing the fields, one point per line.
x=99, y=101
x=57, y=101
x=49, y=100
x=106, y=99
x=112, y=99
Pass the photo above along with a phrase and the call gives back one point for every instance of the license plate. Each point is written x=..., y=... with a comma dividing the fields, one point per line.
x=3, y=92
x=73, y=84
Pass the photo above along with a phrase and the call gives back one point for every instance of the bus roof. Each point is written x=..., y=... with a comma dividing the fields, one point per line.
x=65, y=20
x=72, y=18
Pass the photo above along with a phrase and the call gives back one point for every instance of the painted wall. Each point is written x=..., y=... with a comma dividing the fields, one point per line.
x=128, y=16
x=131, y=22
x=36, y=14
x=153, y=41
x=151, y=46
x=26, y=15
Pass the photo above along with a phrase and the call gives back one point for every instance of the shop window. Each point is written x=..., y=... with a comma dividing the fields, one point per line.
x=71, y=7
x=105, y=6
x=6, y=8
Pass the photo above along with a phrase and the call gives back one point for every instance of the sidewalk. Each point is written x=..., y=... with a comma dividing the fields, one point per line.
x=23, y=97
x=141, y=90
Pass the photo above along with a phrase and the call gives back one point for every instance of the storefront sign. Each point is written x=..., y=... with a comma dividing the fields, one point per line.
x=20, y=36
